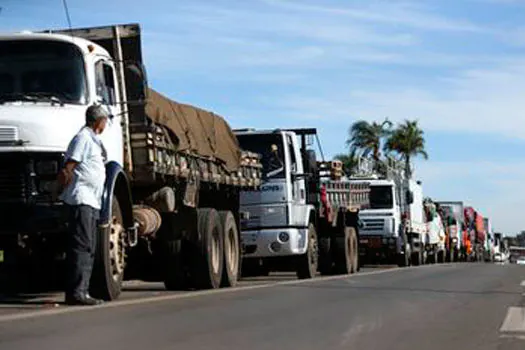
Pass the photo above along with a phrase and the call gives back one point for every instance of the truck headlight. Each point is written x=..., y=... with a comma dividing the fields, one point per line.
x=47, y=167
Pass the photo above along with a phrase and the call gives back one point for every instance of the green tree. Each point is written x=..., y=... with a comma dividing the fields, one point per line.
x=365, y=138
x=407, y=140
x=350, y=162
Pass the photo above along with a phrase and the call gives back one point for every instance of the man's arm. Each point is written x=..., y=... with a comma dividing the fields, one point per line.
x=65, y=176
x=75, y=155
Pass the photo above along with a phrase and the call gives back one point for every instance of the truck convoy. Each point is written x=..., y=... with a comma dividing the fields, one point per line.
x=475, y=232
x=304, y=217
x=171, y=205
x=435, y=238
x=393, y=227
x=452, y=214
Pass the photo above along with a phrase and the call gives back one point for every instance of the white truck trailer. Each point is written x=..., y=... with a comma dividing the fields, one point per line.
x=174, y=173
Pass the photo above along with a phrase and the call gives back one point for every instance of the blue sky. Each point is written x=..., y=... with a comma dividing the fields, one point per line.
x=456, y=66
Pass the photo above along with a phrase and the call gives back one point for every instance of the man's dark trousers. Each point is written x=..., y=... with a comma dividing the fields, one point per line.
x=82, y=240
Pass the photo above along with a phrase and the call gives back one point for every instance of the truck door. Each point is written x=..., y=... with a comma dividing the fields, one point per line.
x=106, y=90
x=299, y=208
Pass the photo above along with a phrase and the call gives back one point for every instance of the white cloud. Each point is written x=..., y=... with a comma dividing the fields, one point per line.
x=473, y=101
x=386, y=12
x=497, y=192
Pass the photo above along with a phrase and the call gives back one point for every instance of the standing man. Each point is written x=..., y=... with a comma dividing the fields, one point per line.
x=83, y=178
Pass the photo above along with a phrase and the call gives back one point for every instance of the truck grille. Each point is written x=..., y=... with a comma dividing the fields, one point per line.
x=373, y=225
x=8, y=133
x=12, y=182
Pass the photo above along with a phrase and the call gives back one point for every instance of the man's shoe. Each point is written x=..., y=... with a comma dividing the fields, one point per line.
x=86, y=301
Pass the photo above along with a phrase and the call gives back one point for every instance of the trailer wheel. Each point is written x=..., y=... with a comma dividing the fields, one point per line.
x=230, y=273
x=308, y=262
x=207, y=262
x=347, y=253
x=110, y=257
x=174, y=274
x=325, y=256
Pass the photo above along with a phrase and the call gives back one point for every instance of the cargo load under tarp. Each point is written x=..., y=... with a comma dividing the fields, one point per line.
x=198, y=131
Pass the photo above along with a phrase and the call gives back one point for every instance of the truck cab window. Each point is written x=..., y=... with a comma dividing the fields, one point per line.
x=105, y=82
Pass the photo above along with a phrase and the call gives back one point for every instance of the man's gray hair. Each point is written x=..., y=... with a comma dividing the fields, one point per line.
x=95, y=112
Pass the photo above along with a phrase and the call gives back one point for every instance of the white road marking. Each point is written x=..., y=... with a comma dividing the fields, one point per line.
x=514, y=321
x=522, y=284
x=187, y=295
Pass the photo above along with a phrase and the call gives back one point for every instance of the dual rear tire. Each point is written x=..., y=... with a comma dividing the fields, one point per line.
x=213, y=257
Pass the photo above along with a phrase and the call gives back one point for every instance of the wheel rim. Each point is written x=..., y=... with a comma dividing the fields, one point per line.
x=116, y=248
x=215, y=258
x=354, y=252
x=349, y=252
x=231, y=248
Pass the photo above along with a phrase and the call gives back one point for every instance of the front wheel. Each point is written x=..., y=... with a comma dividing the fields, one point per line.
x=307, y=263
x=110, y=257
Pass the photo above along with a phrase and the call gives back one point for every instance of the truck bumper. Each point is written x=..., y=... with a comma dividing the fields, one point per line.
x=274, y=242
x=379, y=247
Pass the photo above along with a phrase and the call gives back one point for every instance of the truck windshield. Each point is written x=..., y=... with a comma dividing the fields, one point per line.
x=272, y=159
x=35, y=70
x=381, y=197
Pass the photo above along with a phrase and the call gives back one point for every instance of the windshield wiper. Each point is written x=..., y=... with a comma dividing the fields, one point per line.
x=47, y=96
x=17, y=97
x=31, y=97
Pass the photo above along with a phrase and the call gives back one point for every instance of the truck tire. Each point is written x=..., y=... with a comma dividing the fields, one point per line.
x=207, y=260
x=417, y=258
x=230, y=272
x=347, y=252
x=108, y=269
x=441, y=257
x=308, y=262
x=174, y=275
x=325, y=256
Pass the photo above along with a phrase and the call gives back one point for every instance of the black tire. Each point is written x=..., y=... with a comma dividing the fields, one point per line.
x=417, y=258
x=402, y=260
x=307, y=263
x=207, y=261
x=326, y=262
x=347, y=252
x=441, y=257
x=232, y=255
x=175, y=277
x=109, y=266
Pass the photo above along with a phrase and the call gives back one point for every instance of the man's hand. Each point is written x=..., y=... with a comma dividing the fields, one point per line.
x=65, y=176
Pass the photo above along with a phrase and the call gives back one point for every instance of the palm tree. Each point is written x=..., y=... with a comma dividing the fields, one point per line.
x=408, y=141
x=366, y=138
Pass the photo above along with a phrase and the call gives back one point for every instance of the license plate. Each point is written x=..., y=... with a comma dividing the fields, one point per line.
x=1, y=256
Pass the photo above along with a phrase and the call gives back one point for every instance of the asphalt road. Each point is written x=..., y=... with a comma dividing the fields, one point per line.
x=464, y=306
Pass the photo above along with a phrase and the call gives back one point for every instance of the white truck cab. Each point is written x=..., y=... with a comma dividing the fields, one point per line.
x=46, y=83
x=277, y=214
x=393, y=228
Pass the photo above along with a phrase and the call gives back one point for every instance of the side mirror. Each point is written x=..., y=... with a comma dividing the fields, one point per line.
x=136, y=83
x=410, y=197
